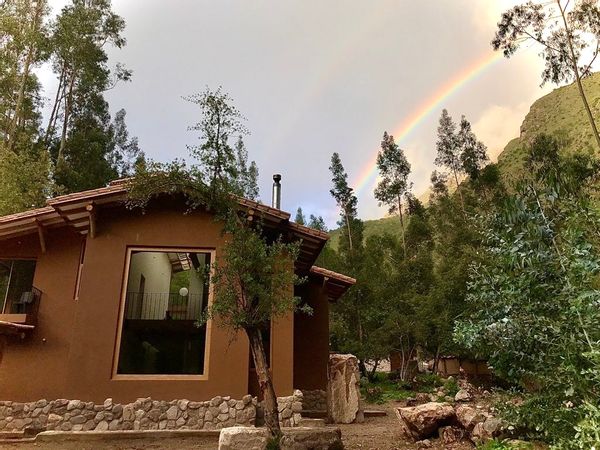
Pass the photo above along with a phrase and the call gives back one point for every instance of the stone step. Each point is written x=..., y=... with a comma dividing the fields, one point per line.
x=311, y=423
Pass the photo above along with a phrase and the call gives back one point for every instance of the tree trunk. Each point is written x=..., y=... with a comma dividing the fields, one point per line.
x=26, y=68
x=363, y=368
x=265, y=383
x=57, y=100
x=371, y=374
x=349, y=231
x=462, y=202
x=578, y=76
x=63, y=138
x=402, y=225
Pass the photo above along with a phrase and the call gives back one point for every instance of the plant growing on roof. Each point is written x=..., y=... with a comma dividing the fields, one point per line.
x=253, y=277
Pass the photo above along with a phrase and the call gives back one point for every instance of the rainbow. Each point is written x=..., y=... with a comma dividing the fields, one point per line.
x=368, y=174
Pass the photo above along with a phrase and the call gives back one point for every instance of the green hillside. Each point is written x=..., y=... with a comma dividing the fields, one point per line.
x=559, y=113
x=389, y=225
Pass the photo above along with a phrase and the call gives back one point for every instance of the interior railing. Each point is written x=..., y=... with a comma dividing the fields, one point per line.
x=163, y=306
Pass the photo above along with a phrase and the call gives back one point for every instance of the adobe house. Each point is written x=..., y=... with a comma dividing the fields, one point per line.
x=99, y=301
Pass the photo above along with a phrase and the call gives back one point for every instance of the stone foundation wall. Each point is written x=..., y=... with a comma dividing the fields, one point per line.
x=143, y=414
x=315, y=400
x=290, y=409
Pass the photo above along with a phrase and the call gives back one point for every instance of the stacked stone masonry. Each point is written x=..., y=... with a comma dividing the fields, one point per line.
x=314, y=400
x=143, y=414
x=290, y=409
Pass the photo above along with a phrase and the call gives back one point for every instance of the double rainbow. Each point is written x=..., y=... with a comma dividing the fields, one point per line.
x=368, y=174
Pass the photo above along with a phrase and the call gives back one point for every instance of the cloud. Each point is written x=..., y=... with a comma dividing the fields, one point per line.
x=497, y=125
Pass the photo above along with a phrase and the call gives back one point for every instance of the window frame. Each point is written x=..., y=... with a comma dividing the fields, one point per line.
x=16, y=258
x=125, y=280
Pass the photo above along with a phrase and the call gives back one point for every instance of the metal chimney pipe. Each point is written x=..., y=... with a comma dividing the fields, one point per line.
x=276, y=202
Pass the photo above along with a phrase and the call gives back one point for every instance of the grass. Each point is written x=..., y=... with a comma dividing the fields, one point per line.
x=382, y=390
x=496, y=444
x=385, y=389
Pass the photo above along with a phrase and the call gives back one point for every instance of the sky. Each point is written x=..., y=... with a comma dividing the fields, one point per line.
x=314, y=77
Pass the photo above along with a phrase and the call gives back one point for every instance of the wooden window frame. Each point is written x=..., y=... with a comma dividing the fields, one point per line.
x=125, y=280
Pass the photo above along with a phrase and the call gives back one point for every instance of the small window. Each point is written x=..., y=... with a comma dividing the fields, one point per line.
x=16, y=285
x=165, y=298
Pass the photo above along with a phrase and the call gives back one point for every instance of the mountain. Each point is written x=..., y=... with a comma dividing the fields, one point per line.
x=559, y=113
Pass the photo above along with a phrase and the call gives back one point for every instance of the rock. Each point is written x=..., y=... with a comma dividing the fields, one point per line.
x=463, y=396
x=468, y=416
x=117, y=410
x=172, y=413
x=425, y=443
x=247, y=399
x=74, y=404
x=108, y=403
x=102, y=426
x=223, y=408
x=78, y=420
x=216, y=401
x=422, y=397
x=424, y=420
x=183, y=404
x=249, y=438
x=484, y=431
x=343, y=389
x=451, y=435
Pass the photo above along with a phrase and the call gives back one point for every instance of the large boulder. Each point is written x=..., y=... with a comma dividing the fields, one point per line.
x=343, y=389
x=424, y=420
x=249, y=438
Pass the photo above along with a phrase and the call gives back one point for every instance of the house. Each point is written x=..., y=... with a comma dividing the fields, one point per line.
x=100, y=301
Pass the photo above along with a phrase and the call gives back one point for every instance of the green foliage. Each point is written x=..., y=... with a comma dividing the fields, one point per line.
x=382, y=389
x=534, y=295
x=496, y=444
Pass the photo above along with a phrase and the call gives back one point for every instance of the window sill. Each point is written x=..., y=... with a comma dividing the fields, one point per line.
x=14, y=318
x=159, y=377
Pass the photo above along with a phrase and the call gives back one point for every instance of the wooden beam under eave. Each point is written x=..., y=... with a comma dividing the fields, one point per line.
x=92, y=217
x=41, y=236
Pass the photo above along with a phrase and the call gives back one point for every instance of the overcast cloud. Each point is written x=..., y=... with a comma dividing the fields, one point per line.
x=314, y=77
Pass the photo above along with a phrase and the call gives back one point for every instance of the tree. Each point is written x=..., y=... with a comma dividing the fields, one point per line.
x=80, y=34
x=318, y=223
x=394, y=169
x=448, y=151
x=300, y=219
x=565, y=37
x=459, y=151
x=346, y=201
x=533, y=296
x=23, y=37
x=246, y=178
x=220, y=121
x=126, y=153
x=253, y=279
x=473, y=154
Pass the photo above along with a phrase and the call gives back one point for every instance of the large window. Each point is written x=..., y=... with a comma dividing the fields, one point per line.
x=166, y=295
x=16, y=285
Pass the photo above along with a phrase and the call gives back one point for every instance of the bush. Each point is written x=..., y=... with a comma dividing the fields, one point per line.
x=427, y=382
x=374, y=394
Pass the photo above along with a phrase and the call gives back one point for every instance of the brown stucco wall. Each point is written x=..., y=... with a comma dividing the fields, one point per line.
x=36, y=367
x=76, y=361
x=311, y=340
